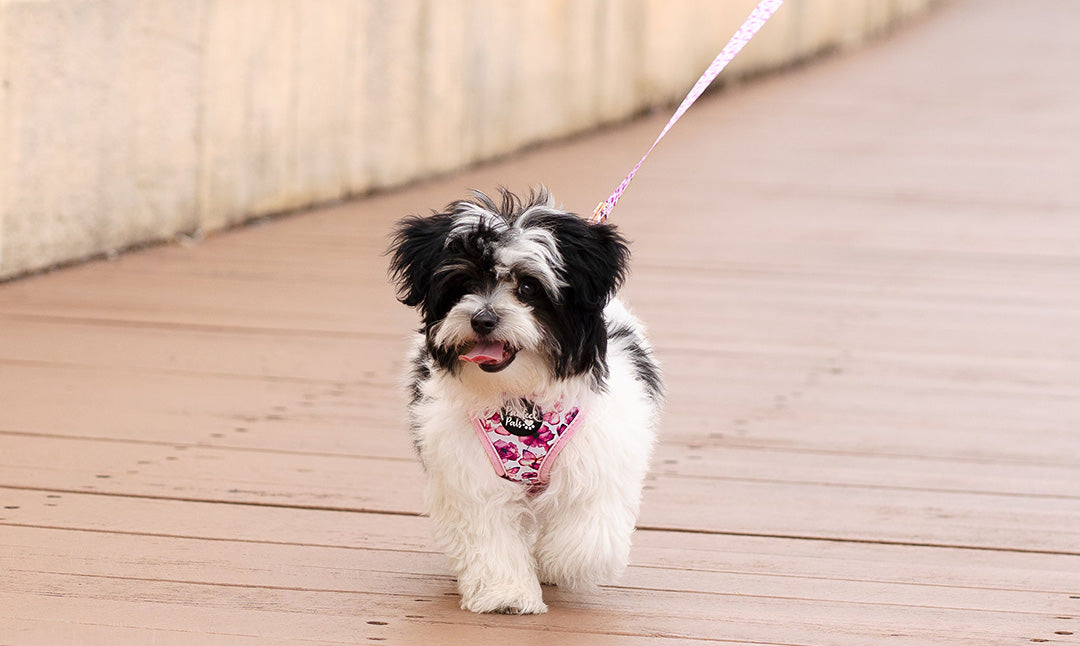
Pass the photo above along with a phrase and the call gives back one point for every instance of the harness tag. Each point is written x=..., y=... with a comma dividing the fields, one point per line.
x=522, y=425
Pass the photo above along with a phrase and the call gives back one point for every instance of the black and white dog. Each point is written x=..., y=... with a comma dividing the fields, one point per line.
x=534, y=395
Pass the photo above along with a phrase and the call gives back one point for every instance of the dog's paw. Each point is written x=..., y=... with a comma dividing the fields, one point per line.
x=578, y=572
x=505, y=601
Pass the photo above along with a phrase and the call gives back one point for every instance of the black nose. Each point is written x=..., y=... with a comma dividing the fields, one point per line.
x=484, y=321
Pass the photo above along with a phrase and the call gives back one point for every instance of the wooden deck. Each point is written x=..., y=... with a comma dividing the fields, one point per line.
x=863, y=280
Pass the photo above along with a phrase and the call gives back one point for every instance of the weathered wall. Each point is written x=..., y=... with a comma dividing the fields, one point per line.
x=124, y=121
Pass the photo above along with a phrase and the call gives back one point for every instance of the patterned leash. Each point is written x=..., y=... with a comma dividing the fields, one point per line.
x=758, y=17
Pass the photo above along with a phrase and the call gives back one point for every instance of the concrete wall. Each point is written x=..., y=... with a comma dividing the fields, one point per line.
x=125, y=121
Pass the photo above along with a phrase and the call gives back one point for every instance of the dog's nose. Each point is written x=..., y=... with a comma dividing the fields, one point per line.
x=484, y=321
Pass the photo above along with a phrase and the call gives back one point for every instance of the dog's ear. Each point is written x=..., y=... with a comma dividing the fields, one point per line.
x=596, y=260
x=594, y=263
x=416, y=248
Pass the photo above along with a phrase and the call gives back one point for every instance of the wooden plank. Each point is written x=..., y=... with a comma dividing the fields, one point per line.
x=303, y=434
x=657, y=618
x=242, y=352
x=820, y=511
x=764, y=397
x=803, y=313
x=377, y=569
x=82, y=515
x=404, y=580
x=356, y=417
x=102, y=513
x=272, y=355
x=206, y=473
x=45, y=628
x=813, y=509
x=716, y=464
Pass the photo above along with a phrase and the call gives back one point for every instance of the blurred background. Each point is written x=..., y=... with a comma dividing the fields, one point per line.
x=131, y=121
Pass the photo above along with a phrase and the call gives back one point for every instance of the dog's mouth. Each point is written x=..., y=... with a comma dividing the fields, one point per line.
x=489, y=355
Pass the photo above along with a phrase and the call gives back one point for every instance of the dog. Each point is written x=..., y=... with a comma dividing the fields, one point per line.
x=533, y=395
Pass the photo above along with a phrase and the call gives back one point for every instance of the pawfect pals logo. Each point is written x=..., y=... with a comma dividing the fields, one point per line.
x=522, y=422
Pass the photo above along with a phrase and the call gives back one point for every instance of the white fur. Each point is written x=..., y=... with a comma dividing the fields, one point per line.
x=502, y=541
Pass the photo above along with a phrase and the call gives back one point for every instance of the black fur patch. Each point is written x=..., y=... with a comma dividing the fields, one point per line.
x=416, y=250
x=418, y=374
x=646, y=369
x=622, y=332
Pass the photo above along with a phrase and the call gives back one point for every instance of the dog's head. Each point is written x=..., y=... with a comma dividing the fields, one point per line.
x=495, y=282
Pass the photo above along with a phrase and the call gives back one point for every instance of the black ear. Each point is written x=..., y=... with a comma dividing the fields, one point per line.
x=417, y=247
x=596, y=259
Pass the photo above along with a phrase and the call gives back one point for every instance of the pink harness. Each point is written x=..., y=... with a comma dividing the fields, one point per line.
x=523, y=448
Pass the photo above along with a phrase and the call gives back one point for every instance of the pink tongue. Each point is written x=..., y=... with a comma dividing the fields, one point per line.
x=486, y=352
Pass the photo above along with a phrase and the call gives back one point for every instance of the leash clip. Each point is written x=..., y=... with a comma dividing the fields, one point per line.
x=600, y=213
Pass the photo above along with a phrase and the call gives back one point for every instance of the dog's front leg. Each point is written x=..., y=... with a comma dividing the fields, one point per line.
x=485, y=529
x=587, y=541
x=590, y=508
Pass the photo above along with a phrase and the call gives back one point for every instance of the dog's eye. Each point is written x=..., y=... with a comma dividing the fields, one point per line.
x=528, y=288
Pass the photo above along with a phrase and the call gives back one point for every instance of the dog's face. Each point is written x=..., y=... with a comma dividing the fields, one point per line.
x=496, y=282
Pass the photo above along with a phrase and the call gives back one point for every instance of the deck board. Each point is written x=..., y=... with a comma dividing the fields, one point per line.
x=739, y=571
x=820, y=506
x=862, y=278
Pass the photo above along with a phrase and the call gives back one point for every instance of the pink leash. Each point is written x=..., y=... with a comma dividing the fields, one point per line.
x=758, y=17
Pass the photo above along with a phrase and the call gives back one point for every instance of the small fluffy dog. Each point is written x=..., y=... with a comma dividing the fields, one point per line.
x=533, y=395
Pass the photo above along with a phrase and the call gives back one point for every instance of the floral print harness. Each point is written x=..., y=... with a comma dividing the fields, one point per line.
x=523, y=448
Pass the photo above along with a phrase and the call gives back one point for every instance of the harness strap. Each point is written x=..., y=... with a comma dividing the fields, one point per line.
x=526, y=458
